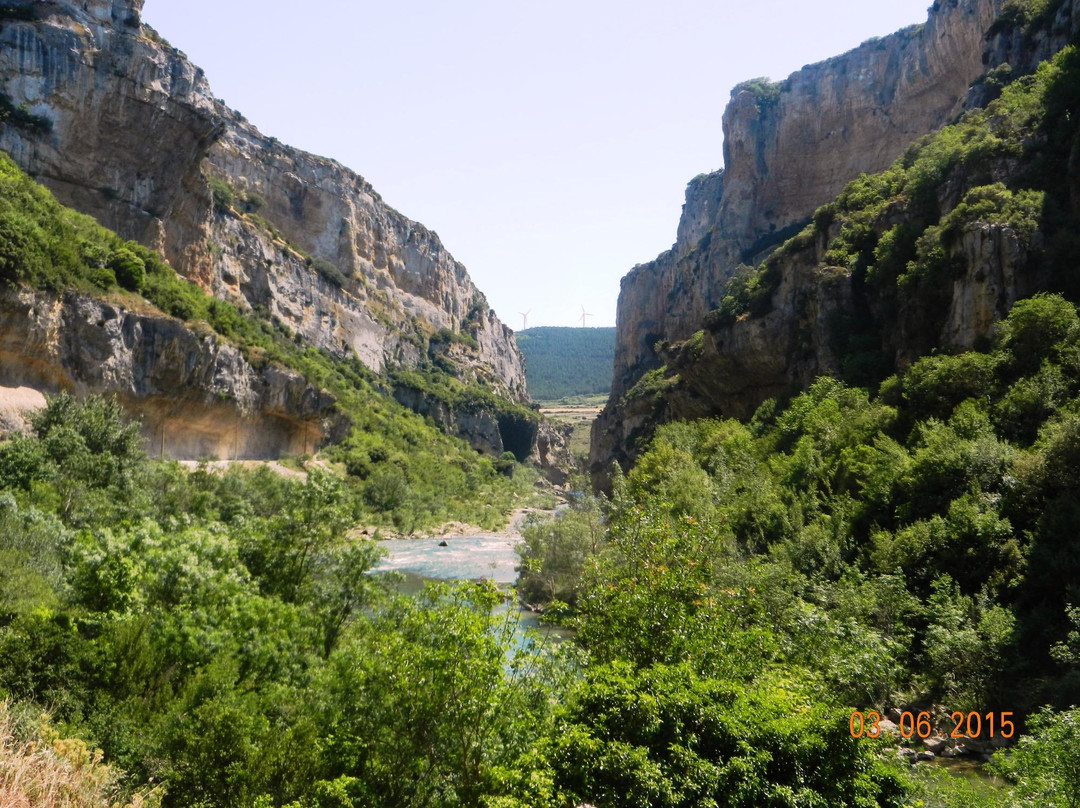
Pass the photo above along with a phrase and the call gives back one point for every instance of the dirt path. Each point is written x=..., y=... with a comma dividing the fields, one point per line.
x=222, y=465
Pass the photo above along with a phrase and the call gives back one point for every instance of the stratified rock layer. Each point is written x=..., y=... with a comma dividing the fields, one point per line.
x=197, y=396
x=136, y=136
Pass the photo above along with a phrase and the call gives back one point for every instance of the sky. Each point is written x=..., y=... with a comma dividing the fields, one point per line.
x=549, y=144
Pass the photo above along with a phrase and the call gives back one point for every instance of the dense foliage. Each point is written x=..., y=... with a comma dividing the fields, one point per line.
x=913, y=547
x=945, y=505
x=221, y=638
x=218, y=634
x=563, y=362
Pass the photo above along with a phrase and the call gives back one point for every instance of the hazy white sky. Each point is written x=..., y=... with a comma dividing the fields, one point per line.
x=548, y=143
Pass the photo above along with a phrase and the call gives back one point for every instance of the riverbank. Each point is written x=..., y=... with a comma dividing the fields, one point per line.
x=449, y=531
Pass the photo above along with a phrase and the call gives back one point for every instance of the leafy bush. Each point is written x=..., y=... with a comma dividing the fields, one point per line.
x=222, y=195
x=1045, y=764
x=555, y=550
x=664, y=736
x=129, y=269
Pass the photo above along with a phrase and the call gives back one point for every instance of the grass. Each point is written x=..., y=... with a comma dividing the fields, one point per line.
x=39, y=769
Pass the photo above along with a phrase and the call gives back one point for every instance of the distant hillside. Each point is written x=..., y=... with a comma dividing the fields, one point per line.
x=567, y=361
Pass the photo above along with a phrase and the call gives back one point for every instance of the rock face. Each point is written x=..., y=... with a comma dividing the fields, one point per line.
x=197, y=396
x=135, y=137
x=480, y=427
x=788, y=148
x=16, y=406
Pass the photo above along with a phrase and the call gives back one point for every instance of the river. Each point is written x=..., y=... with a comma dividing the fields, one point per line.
x=464, y=558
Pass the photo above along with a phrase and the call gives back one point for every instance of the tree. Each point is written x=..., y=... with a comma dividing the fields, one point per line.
x=667, y=737
x=555, y=550
x=342, y=587
x=1045, y=765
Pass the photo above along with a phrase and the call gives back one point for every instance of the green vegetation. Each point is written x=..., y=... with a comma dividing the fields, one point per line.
x=1027, y=15
x=916, y=547
x=766, y=91
x=562, y=362
x=410, y=475
x=942, y=484
x=20, y=117
x=652, y=384
x=214, y=634
x=1045, y=766
x=223, y=195
x=444, y=336
x=218, y=636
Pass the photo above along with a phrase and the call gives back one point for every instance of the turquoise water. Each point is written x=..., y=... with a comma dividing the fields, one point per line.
x=465, y=558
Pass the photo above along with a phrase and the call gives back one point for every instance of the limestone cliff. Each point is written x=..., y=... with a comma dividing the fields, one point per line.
x=197, y=396
x=134, y=137
x=986, y=227
x=788, y=148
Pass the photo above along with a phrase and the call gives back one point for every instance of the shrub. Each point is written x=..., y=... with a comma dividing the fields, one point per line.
x=1037, y=328
x=19, y=116
x=45, y=770
x=130, y=270
x=1045, y=764
x=329, y=271
x=222, y=195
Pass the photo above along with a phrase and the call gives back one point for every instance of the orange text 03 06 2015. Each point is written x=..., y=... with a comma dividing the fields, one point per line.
x=920, y=725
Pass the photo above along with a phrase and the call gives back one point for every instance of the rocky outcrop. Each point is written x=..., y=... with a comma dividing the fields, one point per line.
x=17, y=404
x=788, y=148
x=733, y=367
x=994, y=259
x=1021, y=44
x=552, y=454
x=196, y=396
x=482, y=427
x=133, y=136
x=729, y=368
x=339, y=266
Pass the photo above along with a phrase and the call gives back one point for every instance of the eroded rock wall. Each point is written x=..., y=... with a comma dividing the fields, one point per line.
x=135, y=134
x=788, y=148
x=196, y=395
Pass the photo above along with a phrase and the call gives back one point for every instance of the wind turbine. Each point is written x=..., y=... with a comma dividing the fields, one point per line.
x=525, y=319
x=584, y=314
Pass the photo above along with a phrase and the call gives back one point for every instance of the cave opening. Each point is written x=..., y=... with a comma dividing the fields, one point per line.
x=518, y=436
